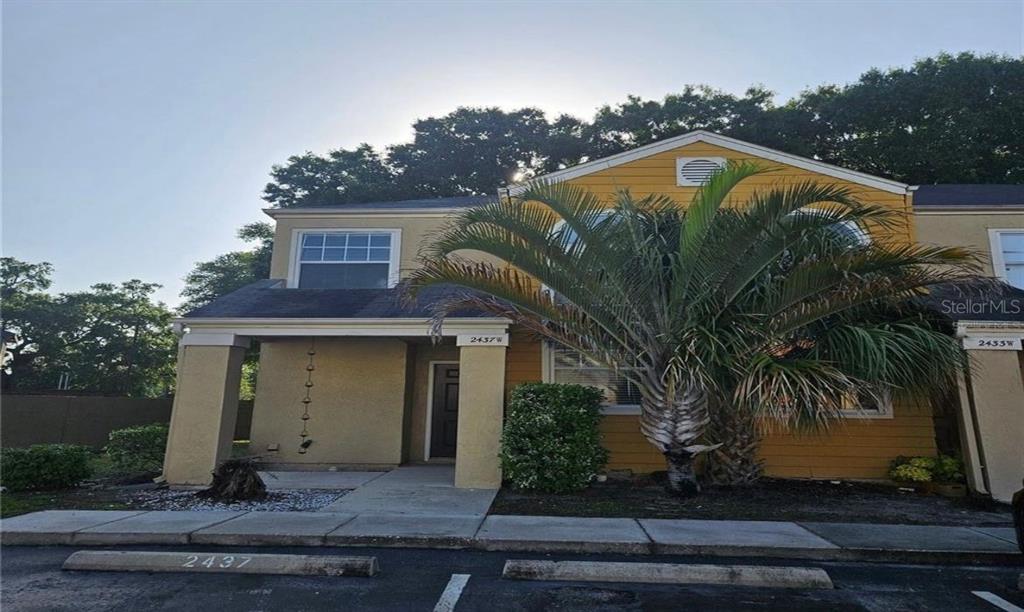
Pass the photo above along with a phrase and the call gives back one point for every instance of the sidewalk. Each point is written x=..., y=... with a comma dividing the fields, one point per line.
x=818, y=541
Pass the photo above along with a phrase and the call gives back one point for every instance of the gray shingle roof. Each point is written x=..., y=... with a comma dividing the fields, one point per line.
x=269, y=299
x=969, y=195
x=985, y=299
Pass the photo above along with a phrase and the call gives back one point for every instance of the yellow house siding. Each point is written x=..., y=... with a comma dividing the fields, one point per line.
x=522, y=360
x=656, y=174
x=853, y=448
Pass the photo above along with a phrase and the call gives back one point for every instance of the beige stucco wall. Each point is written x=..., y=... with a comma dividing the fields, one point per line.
x=414, y=233
x=966, y=229
x=358, y=401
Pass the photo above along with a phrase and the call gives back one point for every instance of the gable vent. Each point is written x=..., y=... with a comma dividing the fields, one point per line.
x=695, y=171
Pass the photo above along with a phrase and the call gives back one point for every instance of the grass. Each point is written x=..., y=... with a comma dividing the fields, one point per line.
x=23, y=502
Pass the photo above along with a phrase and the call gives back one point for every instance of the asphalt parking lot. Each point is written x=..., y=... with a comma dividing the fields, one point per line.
x=417, y=579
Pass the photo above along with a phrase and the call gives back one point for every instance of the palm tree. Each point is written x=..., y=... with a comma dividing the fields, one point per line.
x=721, y=312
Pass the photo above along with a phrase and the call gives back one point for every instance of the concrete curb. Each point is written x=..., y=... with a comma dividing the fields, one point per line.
x=443, y=543
x=524, y=534
x=668, y=573
x=194, y=562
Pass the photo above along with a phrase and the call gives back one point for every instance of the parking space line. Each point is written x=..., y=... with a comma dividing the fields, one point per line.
x=451, y=593
x=997, y=601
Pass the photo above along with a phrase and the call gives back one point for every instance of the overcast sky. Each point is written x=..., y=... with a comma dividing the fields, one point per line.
x=137, y=137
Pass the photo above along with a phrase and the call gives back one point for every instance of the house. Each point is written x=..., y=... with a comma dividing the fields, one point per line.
x=989, y=219
x=383, y=393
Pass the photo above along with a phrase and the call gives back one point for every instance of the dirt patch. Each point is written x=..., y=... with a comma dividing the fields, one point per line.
x=768, y=500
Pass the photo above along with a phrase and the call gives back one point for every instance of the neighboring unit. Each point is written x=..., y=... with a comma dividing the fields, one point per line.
x=988, y=219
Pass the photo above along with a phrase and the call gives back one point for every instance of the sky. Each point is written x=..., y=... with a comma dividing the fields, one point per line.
x=138, y=136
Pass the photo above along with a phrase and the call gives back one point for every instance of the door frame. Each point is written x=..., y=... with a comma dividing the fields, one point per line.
x=430, y=402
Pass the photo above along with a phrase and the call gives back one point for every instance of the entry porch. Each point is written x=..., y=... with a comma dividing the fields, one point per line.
x=380, y=394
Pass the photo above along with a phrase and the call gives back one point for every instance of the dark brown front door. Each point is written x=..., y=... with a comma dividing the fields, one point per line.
x=444, y=423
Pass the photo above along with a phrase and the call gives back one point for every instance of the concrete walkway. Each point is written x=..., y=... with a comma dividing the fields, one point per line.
x=819, y=541
x=335, y=481
x=416, y=489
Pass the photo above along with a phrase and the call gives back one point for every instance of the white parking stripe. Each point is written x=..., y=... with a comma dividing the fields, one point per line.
x=451, y=593
x=997, y=601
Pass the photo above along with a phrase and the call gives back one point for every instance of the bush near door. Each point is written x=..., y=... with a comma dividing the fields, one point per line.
x=551, y=440
x=44, y=466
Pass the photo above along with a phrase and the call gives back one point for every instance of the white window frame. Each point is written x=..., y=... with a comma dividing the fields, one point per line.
x=995, y=241
x=548, y=376
x=884, y=411
x=863, y=237
x=295, y=267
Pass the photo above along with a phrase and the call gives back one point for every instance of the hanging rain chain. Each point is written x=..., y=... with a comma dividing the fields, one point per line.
x=306, y=401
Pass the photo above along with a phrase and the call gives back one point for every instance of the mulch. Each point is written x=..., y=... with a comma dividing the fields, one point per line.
x=766, y=500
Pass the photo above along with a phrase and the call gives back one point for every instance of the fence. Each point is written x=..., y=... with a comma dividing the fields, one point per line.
x=88, y=420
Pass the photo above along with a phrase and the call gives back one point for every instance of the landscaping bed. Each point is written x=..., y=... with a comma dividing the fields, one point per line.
x=148, y=497
x=767, y=500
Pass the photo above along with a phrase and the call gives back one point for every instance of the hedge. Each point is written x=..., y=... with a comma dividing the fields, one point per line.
x=138, y=450
x=44, y=466
x=550, y=441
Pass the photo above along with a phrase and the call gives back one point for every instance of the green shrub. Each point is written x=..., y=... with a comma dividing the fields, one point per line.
x=138, y=450
x=44, y=466
x=551, y=441
x=910, y=473
x=949, y=469
x=943, y=468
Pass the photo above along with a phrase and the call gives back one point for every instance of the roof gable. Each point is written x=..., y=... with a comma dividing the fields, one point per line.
x=724, y=142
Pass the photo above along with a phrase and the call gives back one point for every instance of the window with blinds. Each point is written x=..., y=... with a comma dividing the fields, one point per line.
x=570, y=367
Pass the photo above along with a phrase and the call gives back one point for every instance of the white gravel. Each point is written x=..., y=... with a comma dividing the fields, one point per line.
x=275, y=501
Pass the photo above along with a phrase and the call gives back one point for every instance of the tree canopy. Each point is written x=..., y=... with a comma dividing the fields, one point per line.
x=112, y=339
x=209, y=280
x=950, y=118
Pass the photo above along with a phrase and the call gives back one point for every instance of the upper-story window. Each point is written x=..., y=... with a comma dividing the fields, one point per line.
x=1008, y=256
x=346, y=259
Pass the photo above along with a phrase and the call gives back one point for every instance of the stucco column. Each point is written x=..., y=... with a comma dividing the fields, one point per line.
x=481, y=413
x=997, y=391
x=205, y=407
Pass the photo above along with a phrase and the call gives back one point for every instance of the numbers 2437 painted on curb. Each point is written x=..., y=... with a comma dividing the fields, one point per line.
x=216, y=561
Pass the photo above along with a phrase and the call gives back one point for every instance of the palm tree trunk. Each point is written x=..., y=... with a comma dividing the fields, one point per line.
x=735, y=462
x=682, y=480
x=674, y=422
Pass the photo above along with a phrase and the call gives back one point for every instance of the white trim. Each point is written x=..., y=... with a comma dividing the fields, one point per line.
x=885, y=411
x=725, y=142
x=430, y=403
x=343, y=327
x=333, y=213
x=995, y=243
x=214, y=339
x=297, y=233
x=968, y=210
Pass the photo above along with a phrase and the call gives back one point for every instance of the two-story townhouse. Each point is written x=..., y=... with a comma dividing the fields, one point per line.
x=384, y=392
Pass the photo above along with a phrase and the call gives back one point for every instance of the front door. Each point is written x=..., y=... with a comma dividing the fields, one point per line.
x=444, y=425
